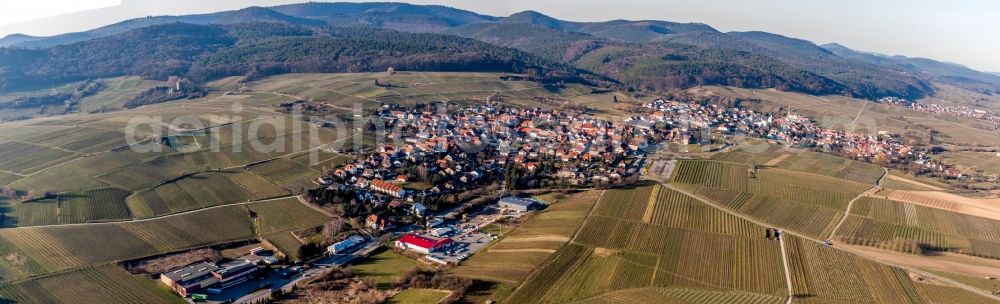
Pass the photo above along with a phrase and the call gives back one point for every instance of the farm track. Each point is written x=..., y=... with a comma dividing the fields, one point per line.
x=788, y=273
x=847, y=213
x=589, y=215
x=848, y=250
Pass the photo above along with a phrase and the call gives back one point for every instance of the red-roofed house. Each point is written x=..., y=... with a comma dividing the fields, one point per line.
x=387, y=188
x=423, y=244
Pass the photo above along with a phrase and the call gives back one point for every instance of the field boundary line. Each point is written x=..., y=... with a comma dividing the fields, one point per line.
x=302, y=200
x=847, y=213
x=788, y=273
x=656, y=268
x=844, y=249
x=647, y=217
x=589, y=214
x=160, y=216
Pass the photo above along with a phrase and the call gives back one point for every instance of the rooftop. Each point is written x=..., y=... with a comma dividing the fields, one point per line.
x=190, y=272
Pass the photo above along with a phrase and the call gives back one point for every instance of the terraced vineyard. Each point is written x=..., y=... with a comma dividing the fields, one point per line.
x=910, y=228
x=100, y=284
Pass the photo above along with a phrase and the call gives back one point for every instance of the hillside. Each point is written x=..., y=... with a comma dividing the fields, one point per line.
x=951, y=73
x=647, y=54
x=205, y=52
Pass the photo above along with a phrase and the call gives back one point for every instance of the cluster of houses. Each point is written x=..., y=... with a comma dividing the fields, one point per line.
x=933, y=108
x=456, y=150
x=687, y=121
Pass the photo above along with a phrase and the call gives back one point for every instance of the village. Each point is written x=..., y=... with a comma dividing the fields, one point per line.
x=443, y=173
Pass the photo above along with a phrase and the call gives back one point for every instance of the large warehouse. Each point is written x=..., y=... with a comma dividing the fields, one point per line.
x=191, y=278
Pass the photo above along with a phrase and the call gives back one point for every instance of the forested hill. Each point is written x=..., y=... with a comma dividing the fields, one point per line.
x=645, y=54
x=205, y=52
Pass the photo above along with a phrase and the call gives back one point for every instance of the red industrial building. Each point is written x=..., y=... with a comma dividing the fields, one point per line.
x=423, y=244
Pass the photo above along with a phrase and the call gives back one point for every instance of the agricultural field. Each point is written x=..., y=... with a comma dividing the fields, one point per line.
x=25, y=158
x=276, y=221
x=418, y=296
x=58, y=248
x=286, y=243
x=657, y=237
x=287, y=173
x=519, y=251
x=941, y=294
x=808, y=203
x=982, y=283
x=203, y=190
x=101, y=204
x=99, y=284
x=34, y=213
x=911, y=228
x=833, y=166
x=822, y=274
x=677, y=295
x=384, y=267
x=285, y=215
x=7, y=178
x=987, y=163
x=93, y=205
x=117, y=91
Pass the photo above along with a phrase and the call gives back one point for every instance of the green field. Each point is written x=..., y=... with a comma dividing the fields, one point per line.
x=100, y=284
x=418, y=296
x=385, y=267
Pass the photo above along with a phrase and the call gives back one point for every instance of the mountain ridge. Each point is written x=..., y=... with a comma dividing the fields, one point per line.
x=642, y=54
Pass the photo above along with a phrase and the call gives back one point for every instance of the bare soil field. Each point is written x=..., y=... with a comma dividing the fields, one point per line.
x=988, y=208
x=943, y=261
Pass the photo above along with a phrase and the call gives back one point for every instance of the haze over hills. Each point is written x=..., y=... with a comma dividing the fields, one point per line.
x=640, y=54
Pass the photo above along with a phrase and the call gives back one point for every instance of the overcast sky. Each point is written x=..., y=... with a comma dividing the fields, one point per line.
x=960, y=31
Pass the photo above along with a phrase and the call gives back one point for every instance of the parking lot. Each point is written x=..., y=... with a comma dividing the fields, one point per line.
x=465, y=245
